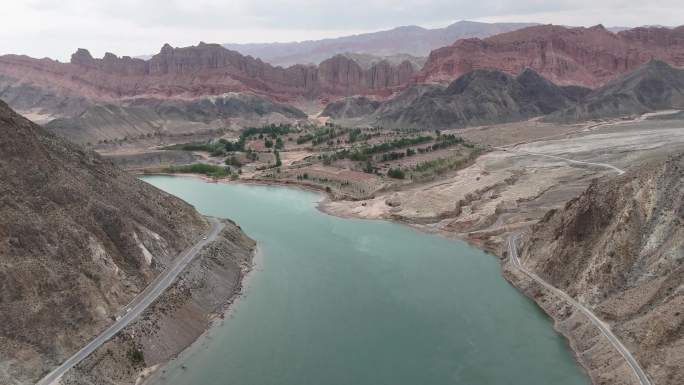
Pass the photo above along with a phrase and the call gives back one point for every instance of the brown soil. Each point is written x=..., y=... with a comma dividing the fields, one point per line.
x=201, y=294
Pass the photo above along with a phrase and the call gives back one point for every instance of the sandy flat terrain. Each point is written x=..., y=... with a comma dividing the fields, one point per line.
x=506, y=189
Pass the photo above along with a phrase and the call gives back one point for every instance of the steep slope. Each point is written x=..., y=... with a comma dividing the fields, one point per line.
x=40, y=99
x=78, y=239
x=146, y=117
x=197, y=71
x=180, y=90
x=351, y=107
x=479, y=97
x=619, y=248
x=653, y=86
x=410, y=40
x=366, y=60
x=590, y=57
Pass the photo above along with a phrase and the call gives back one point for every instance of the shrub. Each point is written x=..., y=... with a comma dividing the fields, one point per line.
x=136, y=356
x=233, y=161
x=278, y=163
x=396, y=173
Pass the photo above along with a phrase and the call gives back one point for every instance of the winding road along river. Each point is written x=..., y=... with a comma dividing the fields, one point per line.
x=339, y=301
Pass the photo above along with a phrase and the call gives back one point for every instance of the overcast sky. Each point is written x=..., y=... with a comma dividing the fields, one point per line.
x=55, y=28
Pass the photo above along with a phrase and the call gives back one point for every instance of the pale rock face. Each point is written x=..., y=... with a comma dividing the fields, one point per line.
x=147, y=256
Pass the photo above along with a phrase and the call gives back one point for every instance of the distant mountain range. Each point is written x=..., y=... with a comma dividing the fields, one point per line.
x=411, y=40
x=483, y=97
x=189, y=89
x=196, y=71
x=590, y=57
x=476, y=98
x=651, y=87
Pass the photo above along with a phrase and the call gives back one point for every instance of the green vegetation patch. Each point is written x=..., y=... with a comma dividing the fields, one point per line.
x=323, y=135
x=442, y=165
x=396, y=173
x=223, y=146
x=366, y=153
x=136, y=357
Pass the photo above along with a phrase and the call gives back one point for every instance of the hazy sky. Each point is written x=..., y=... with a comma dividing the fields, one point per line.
x=55, y=28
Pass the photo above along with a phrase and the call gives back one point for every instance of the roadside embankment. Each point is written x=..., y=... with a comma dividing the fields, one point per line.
x=617, y=250
x=202, y=293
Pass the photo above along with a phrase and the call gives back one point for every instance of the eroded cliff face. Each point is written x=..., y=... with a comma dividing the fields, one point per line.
x=619, y=248
x=78, y=240
x=196, y=71
x=567, y=56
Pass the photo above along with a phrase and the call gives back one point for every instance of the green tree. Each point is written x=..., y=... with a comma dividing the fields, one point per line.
x=278, y=163
x=396, y=173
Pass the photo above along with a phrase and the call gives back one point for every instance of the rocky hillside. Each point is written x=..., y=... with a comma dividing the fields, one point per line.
x=201, y=294
x=653, y=86
x=366, y=60
x=196, y=71
x=589, y=57
x=351, y=107
x=619, y=248
x=479, y=97
x=78, y=239
x=410, y=40
x=140, y=118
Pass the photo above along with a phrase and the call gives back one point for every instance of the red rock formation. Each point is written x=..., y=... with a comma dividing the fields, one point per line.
x=341, y=75
x=206, y=69
x=582, y=56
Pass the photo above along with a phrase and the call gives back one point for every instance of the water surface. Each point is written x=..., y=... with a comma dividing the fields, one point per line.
x=339, y=302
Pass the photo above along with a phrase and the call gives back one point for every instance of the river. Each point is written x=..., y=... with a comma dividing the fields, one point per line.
x=337, y=301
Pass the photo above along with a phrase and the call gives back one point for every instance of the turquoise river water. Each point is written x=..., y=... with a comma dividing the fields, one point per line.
x=355, y=302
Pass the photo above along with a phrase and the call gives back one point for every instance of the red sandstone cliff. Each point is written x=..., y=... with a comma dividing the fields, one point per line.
x=205, y=69
x=582, y=56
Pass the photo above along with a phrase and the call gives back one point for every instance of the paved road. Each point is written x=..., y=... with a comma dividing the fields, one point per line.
x=602, y=326
x=138, y=305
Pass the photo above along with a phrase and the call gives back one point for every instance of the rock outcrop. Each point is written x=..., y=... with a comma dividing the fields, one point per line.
x=78, y=240
x=653, y=86
x=202, y=70
x=590, y=57
x=351, y=107
x=619, y=249
x=479, y=97
x=176, y=319
x=145, y=117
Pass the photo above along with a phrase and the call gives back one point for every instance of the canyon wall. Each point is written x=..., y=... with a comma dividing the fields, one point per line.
x=589, y=57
